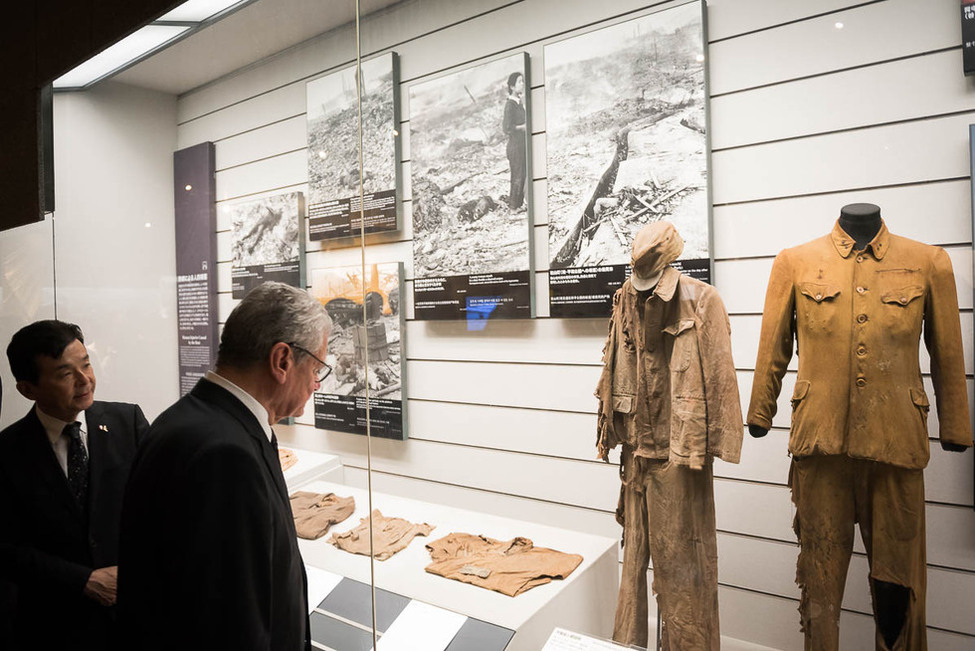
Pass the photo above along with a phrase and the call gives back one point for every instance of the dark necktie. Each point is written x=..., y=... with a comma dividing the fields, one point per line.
x=77, y=464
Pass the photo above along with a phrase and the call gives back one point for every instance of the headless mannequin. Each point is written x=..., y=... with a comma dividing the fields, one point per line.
x=862, y=222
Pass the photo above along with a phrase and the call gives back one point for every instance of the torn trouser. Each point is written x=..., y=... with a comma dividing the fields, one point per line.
x=831, y=494
x=668, y=515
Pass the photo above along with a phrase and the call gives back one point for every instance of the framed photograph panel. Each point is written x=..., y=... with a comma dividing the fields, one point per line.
x=470, y=138
x=626, y=131
x=267, y=241
x=365, y=350
x=333, y=150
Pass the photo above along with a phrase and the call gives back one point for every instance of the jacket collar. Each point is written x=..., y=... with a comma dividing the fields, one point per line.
x=844, y=243
x=666, y=286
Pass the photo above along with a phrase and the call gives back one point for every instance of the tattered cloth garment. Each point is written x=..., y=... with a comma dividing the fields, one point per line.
x=510, y=567
x=391, y=535
x=287, y=458
x=314, y=513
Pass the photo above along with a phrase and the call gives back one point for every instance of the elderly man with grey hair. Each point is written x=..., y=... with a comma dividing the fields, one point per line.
x=208, y=554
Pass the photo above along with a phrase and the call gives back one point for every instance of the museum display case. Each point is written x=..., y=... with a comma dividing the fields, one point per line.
x=465, y=187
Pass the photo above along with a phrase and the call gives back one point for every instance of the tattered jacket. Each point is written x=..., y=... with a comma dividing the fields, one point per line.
x=858, y=318
x=668, y=389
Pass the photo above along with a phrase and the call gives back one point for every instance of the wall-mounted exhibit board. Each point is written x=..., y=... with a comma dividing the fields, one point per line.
x=365, y=350
x=626, y=135
x=503, y=420
x=587, y=597
x=472, y=222
x=333, y=151
x=268, y=241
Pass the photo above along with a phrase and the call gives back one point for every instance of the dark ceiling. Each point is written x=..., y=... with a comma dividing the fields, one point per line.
x=39, y=41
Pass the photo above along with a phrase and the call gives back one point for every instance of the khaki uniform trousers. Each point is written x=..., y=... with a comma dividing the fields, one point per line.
x=831, y=494
x=667, y=513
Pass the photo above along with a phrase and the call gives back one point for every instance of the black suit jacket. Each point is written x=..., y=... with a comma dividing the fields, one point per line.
x=209, y=556
x=47, y=547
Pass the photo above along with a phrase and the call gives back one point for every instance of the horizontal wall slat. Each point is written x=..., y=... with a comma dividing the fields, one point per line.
x=728, y=18
x=821, y=104
x=926, y=150
x=270, y=140
x=563, y=388
x=875, y=32
x=933, y=213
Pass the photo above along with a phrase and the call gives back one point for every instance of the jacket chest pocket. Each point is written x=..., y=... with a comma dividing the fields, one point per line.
x=817, y=305
x=683, y=345
x=903, y=309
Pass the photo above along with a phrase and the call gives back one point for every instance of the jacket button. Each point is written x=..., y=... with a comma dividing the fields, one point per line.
x=860, y=290
x=859, y=258
x=862, y=318
x=819, y=297
x=861, y=351
x=903, y=300
x=861, y=382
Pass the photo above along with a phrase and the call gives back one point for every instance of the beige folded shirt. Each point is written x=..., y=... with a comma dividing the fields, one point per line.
x=510, y=567
x=287, y=458
x=392, y=535
x=314, y=513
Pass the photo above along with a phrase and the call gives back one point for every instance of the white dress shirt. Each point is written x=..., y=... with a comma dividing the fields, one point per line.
x=249, y=401
x=54, y=427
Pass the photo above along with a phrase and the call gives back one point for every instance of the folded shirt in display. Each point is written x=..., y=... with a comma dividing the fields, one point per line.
x=287, y=458
x=391, y=535
x=510, y=567
x=314, y=513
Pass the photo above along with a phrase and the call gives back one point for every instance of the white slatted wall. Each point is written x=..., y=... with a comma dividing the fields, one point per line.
x=805, y=118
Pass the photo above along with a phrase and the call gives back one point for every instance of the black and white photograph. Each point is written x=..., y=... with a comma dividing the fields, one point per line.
x=333, y=150
x=267, y=241
x=365, y=349
x=469, y=147
x=626, y=146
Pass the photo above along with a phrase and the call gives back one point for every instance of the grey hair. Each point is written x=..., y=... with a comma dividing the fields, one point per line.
x=271, y=313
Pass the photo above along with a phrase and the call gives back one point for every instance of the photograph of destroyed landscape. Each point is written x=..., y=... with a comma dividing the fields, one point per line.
x=626, y=145
x=362, y=337
x=333, y=149
x=265, y=240
x=465, y=220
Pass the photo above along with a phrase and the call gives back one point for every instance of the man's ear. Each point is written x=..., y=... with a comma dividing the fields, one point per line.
x=27, y=389
x=281, y=361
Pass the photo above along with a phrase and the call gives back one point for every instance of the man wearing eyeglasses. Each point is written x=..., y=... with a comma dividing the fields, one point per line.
x=209, y=557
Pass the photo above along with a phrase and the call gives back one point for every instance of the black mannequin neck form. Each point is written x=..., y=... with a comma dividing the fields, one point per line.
x=861, y=221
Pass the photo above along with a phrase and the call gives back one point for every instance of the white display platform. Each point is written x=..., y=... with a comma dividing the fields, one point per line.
x=312, y=465
x=586, y=601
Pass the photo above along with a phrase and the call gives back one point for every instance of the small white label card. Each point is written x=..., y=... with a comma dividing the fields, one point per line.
x=563, y=640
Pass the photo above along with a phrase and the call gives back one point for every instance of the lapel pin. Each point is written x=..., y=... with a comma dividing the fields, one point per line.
x=103, y=428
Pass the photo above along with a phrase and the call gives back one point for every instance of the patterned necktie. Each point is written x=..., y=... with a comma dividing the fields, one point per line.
x=77, y=464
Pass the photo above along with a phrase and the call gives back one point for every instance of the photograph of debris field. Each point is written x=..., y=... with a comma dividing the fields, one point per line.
x=266, y=241
x=626, y=146
x=332, y=116
x=365, y=349
x=469, y=151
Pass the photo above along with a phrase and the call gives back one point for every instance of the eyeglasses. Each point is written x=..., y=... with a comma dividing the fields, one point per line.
x=323, y=372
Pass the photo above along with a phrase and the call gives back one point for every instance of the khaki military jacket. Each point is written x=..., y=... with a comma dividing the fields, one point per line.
x=668, y=389
x=858, y=319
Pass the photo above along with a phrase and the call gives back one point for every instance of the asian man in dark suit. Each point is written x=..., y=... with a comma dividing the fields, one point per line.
x=209, y=557
x=63, y=469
